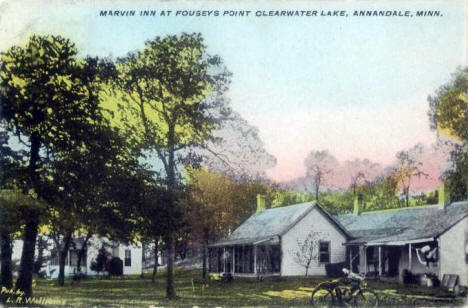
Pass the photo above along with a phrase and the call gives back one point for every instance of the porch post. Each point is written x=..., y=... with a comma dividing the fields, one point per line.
x=255, y=258
x=380, y=260
x=365, y=259
x=233, y=259
x=410, y=257
x=350, y=258
x=224, y=259
x=439, y=272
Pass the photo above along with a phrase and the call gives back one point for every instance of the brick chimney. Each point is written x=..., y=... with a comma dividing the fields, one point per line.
x=357, y=204
x=261, y=203
x=443, y=194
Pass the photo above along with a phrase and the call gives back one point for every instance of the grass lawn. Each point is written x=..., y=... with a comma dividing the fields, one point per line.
x=281, y=292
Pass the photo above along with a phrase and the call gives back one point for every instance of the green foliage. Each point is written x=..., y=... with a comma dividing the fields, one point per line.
x=100, y=263
x=42, y=92
x=281, y=197
x=381, y=194
x=172, y=94
x=172, y=101
x=16, y=207
x=457, y=177
x=337, y=202
x=219, y=204
x=448, y=109
x=52, y=97
x=46, y=97
x=448, y=113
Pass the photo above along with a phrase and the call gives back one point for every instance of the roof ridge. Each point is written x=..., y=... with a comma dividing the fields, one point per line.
x=285, y=206
x=396, y=209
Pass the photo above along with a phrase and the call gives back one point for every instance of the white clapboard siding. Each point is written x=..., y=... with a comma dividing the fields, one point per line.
x=452, y=251
x=317, y=222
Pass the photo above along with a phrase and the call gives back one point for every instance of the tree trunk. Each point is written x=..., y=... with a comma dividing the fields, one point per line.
x=406, y=196
x=81, y=252
x=6, y=264
x=204, y=248
x=143, y=260
x=24, y=282
x=155, y=265
x=317, y=186
x=170, y=292
x=171, y=183
x=62, y=258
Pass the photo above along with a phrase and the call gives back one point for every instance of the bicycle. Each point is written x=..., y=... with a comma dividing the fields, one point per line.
x=348, y=291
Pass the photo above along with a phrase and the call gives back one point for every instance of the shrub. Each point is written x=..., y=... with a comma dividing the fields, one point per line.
x=99, y=264
x=115, y=267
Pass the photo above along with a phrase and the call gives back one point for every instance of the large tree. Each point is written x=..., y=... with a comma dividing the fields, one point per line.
x=448, y=108
x=448, y=113
x=173, y=93
x=44, y=99
x=82, y=186
x=80, y=178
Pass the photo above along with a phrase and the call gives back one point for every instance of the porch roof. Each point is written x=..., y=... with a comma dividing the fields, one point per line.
x=397, y=227
x=247, y=241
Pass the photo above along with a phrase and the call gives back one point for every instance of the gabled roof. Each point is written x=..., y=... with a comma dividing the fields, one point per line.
x=271, y=223
x=408, y=224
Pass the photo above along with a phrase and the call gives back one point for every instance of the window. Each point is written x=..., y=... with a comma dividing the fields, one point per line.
x=128, y=257
x=324, y=252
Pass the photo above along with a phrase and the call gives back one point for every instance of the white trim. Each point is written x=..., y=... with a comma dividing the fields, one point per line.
x=401, y=243
x=266, y=240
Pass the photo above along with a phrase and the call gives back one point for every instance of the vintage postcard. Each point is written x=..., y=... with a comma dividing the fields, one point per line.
x=233, y=153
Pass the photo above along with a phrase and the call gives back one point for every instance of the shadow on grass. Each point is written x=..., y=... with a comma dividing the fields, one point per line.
x=134, y=291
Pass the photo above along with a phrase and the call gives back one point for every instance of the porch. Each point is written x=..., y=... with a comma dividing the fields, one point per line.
x=394, y=260
x=71, y=263
x=261, y=258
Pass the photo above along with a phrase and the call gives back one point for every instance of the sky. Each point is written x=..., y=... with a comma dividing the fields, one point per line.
x=356, y=86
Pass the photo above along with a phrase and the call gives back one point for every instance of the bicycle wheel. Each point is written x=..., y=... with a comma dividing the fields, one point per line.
x=366, y=298
x=322, y=298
